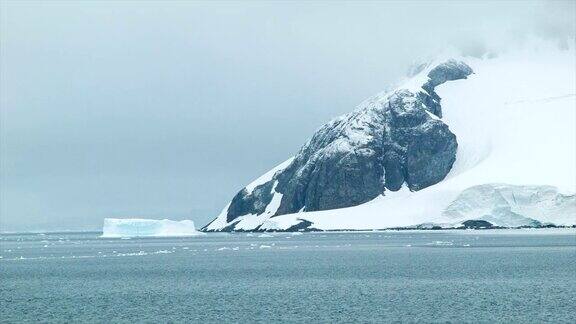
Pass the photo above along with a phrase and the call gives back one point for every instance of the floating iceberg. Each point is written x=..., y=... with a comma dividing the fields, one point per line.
x=132, y=227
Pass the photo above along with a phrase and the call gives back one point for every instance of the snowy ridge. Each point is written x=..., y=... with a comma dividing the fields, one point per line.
x=268, y=175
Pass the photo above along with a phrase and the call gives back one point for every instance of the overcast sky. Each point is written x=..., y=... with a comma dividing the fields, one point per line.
x=166, y=110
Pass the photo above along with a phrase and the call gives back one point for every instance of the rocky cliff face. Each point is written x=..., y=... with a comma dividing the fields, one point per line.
x=392, y=140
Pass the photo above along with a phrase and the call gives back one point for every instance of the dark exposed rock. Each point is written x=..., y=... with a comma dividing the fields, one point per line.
x=477, y=224
x=229, y=227
x=302, y=226
x=448, y=71
x=389, y=141
x=254, y=203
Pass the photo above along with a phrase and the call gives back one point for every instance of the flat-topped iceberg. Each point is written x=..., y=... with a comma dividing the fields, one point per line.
x=134, y=227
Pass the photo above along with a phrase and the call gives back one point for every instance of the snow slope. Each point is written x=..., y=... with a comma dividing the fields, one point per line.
x=268, y=175
x=136, y=227
x=515, y=122
x=251, y=221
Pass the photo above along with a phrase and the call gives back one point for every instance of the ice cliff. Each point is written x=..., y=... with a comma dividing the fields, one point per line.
x=135, y=227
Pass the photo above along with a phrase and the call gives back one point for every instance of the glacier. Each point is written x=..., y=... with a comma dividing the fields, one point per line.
x=514, y=119
x=512, y=206
x=137, y=227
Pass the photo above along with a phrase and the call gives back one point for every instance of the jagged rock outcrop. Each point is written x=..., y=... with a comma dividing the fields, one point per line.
x=391, y=140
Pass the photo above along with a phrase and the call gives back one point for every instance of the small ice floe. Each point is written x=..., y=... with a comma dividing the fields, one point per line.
x=265, y=246
x=265, y=235
x=45, y=245
x=235, y=248
x=223, y=249
x=83, y=256
x=465, y=244
x=249, y=234
x=132, y=253
x=408, y=245
x=163, y=252
x=441, y=243
x=185, y=248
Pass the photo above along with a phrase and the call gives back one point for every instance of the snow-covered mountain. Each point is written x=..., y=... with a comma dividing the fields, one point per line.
x=463, y=138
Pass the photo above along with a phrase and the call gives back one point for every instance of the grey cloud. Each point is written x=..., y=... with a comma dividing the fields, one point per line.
x=166, y=109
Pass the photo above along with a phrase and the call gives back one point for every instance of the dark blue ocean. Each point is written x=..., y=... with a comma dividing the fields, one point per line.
x=522, y=276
